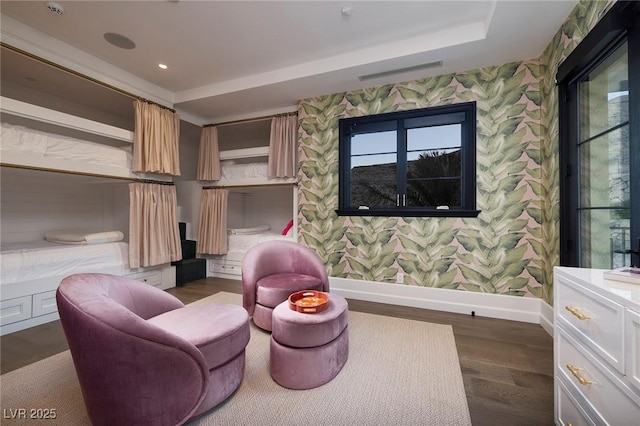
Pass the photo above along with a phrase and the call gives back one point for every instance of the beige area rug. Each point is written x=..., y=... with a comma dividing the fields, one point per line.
x=399, y=372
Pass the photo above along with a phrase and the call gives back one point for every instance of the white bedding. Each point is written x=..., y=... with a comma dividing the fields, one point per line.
x=20, y=139
x=243, y=242
x=247, y=231
x=34, y=260
x=79, y=237
x=243, y=171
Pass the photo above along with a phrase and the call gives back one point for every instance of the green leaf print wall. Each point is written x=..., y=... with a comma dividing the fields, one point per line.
x=487, y=254
x=512, y=246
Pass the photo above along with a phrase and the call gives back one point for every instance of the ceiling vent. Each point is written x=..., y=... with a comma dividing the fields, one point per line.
x=55, y=8
x=428, y=65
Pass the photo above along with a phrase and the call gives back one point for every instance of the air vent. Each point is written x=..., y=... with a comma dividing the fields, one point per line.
x=55, y=7
x=428, y=65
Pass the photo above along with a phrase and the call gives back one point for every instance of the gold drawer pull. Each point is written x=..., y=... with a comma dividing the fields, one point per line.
x=577, y=313
x=576, y=373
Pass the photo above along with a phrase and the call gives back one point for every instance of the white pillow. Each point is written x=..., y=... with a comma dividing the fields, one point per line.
x=244, y=231
x=79, y=237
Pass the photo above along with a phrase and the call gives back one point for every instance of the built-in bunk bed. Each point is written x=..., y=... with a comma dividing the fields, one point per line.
x=46, y=170
x=260, y=208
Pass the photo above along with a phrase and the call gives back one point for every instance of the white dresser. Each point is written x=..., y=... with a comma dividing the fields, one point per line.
x=225, y=268
x=596, y=349
x=28, y=304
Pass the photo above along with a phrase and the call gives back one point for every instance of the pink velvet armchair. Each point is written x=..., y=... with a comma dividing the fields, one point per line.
x=274, y=269
x=144, y=358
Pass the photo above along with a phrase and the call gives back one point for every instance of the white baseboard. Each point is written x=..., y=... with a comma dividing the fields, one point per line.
x=513, y=308
x=546, y=317
x=221, y=275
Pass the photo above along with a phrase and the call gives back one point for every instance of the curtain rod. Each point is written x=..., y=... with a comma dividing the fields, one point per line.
x=158, y=182
x=255, y=185
x=96, y=175
x=249, y=120
x=86, y=77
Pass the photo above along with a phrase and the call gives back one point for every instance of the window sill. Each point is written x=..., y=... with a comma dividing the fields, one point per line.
x=408, y=213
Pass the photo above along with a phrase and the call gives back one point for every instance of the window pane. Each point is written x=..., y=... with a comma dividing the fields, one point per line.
x=374, y=184
x=604, y=95
x=604, y=170
x=433, y=153
x=364, y=161
x=434, y=193
x=427, y=138
x=373, y=194
x=602, y=233
x=373, y=169
x=434, y=164
x=373, y=143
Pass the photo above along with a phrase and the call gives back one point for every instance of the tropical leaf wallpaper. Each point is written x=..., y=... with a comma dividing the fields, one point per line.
x=512, y=246
x=582, y=19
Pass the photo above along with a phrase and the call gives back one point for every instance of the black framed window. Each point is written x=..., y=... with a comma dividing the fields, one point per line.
x=411, y=163
x=599, y=88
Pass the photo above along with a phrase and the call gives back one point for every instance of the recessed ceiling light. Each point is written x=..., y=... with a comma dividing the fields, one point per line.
x=118, y=40
x=163, y=66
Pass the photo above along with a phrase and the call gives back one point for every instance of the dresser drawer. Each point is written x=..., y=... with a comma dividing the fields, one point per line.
x=595, y=319
x=13, y=310
x=44, y=303
x=632, y=327
x=609, y=400
x=153, y=277
x=229, y=267
x=569, y=410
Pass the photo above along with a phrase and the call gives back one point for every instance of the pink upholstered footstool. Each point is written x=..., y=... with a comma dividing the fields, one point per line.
x=308, y=350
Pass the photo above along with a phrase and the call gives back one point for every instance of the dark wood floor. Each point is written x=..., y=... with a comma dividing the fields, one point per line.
x=507, y=366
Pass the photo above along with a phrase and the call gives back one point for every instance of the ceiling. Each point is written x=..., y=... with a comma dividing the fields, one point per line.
x=230, y=60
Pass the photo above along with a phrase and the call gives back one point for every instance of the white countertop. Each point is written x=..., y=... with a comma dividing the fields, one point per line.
x=619, y=291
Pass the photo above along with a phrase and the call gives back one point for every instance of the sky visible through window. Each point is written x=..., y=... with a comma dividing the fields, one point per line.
x=613, y=95
x=380, y=148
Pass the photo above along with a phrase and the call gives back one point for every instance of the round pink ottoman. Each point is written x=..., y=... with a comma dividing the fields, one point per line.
x=308, y=350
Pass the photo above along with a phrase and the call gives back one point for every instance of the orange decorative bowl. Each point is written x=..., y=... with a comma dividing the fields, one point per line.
x=309, y=301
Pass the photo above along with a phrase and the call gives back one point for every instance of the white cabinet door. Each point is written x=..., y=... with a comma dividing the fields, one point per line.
x=633, y=348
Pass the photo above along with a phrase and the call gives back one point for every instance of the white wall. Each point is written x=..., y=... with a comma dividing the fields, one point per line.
x=33, y=202
x=236, y=208
x=188, y=194
x=271, y=206
x=189, y=150
x=118, y=214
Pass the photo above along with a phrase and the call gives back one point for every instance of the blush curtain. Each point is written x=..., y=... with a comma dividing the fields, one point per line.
x=209, y=156
x=212, y=228
x=282, y=146
x=157, y=135
x=154, y=236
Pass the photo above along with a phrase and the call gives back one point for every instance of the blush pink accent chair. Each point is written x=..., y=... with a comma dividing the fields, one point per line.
x=274, y=269
x=144, y=358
